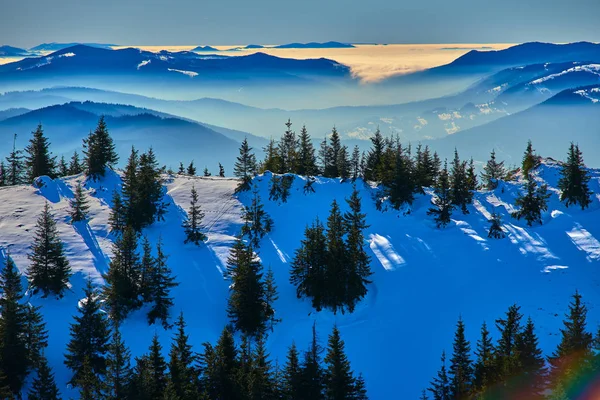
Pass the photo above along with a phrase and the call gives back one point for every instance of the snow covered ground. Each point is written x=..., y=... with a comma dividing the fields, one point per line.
x=424, y=278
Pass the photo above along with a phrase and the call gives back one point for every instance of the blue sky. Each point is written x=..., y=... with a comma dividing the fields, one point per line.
x=29, y=22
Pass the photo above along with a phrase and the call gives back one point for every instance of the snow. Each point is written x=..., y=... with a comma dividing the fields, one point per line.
x=143, y=63
x=423, y=277
x=67, y=55
x=591, y=68
x=191, y=74
x=591, y=94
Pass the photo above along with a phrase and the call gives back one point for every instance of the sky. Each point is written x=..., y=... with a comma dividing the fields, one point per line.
x=26, y=23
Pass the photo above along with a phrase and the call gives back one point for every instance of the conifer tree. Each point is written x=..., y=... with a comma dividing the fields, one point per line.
x=221, y=368
x=460, y=192
x=506, y=355
x=245, y=166
x=402, y=187
x=191, y=169
x=325, y=157
x=49, y=270
x=181, y=169
x=272, y=161
x=75, y=166
x=89, y=343
x=425, y=172
x=530, y=159
x=62, y=168
x=261, y=382
x=531, y=363
x=118, y=368
x=13, y=326
x=161, y=284
x=99, y=151
x=90, y=385
x=43, y=386
x=39, y=160
x=493, y=171
x=157, y=368
x=129, y=194
x=149, y=191
x=306, y=162
x=532, y=203
x=16, y=166
x=182, y=374
x=292, y=375
x=141, y=380
x=122, y=279
x=221, y=171
x=496, y=231
x=193, y=221
x=287, y=150
x=355, y=169
x=374, y=157
x=147, y=270
x=337, y=271
x=483, y=369
x=574, y=180
x=206, y=173
x=471, y=177
x=118, y=214
x=36, y=335
x=442, y=201
x=343, y=163
x=358, y=259
x=312, y=374
x=271, y=297
x=257, y=222
x=338, y=376
x=461, y=370
x=79, y=205
x=572, y=359
x=3, y=174
x=440, y=386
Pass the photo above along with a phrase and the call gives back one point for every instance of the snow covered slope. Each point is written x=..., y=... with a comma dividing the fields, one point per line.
x=424, y=278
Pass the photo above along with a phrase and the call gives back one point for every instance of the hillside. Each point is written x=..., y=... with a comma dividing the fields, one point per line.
x=419, y=271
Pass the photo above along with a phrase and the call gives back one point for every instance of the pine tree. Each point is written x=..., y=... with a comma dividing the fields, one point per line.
x=460, y=193
x=312, y=374
x=374, y=157
x=245, y=166
x=193, y=221
x=90, y=335
x=39, y=160
x=306, y=163
x=118, y=214
x=461, y=370
x=531, y=363
x=493, y=172
x=338, y=377
x=292, y=375
x=99, y=151
x=75, y=166
x=496, y=231
x=574, y=180
x=530, y=159
x=257, y=222
x=79, y=205
x=62, y=168
x=206, y=173
x=191, y=170
x=182, y=374
x=483, y=369
x=532, y=203
x=442, y=201
x=160, y=289
x=122, y=279
x=118, y=368
x=358, y=259
x=287, y=150
x=572, y=359
x=440, y=386
x=221, y=171
x=49, y=270
x=43, y=386
x=16, y=167
x=13, y=326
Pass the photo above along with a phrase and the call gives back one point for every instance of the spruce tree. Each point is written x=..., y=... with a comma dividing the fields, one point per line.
x=149, y=192
x=306, y=161
x=337, y=272
x=374, y=157
x=272, y=161
x=461, y=369
x=147, y=270
x=89, y=343
x=493, y=172
x=440, y=386
x=62, y=168
x=245, y=166
x=271, y=296
x=495, y=230
x=287, y=150
x=402, y=187
x=325, y=157
x=13, y=326
x=75, y=166
x=43, y=386
x=206, y=173
x=182, y=373
x=49, y=271
x=193, y=221
x=332, y=170
x=130, y=196
x=531, y=363
x=338, y=377
x=442, y=201
x=99, y=151
x=157, y=368
x=530, y=159
x=118, y=214
x=160, y=289
x=574, y=180
x=3, y=174
x=261, y=382
x=39, y=160
x=343, y=163
x=471, y=177
x=221, y=171
x=483, y=369
x=532, y=203
x=36, y=335
x=16, y=166
x=312, y=374
x=506, y=355
x=89, y=383
x=141, y=381
x=221, y=368
x=460, y=192
x=257, y=222
x=191, y=170
x=79, y=205
x=355, y=169
x=181, y=169
x=425, y=172
x=292, y=375
x=118, y=368
x=359, y=269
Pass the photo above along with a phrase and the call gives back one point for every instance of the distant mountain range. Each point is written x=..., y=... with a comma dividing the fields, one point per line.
x=315, y=45
x=9, y=51
x=44, y=47
x=204, y=48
